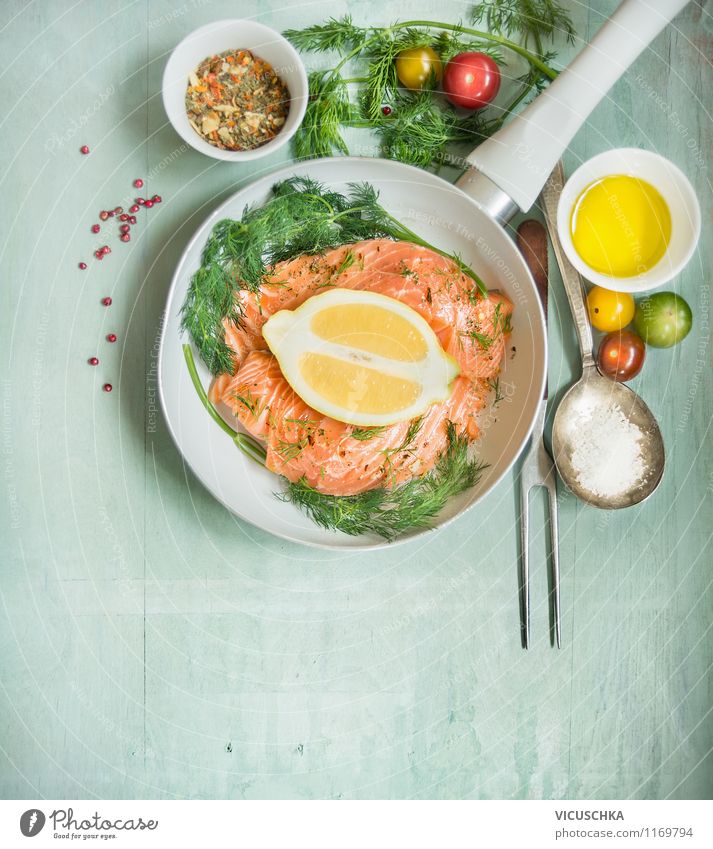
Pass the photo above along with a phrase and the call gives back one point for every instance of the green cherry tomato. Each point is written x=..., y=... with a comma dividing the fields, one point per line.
x=621, y=355
x=663, y=319
x=415, y=66
x=609, y=310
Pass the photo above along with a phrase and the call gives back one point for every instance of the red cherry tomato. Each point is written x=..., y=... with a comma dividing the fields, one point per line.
x=621, y=355
x=471, y=80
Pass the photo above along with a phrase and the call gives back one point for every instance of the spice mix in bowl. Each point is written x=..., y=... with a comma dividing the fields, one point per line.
x=236, y=101
x=235, y=90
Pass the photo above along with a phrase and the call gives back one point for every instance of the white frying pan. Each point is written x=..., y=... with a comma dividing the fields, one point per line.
x=508, y=171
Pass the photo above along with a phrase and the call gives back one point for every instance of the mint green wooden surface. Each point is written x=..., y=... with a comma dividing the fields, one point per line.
x=154, y=646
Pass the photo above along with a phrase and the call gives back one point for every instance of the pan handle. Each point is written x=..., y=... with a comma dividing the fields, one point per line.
x=519, y=158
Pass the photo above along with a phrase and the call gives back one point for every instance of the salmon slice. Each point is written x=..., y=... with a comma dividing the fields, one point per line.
x=471, y=328
x=304, y=444
x=329, y=455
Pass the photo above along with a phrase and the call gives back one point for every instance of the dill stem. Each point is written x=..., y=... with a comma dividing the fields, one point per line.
x=249, y=446
x=534, y=60
x=416, y=239
x=317, y=197
x=486, y=36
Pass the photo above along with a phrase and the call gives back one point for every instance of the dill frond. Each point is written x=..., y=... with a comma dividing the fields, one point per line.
x=365, y=433
x=385, y=512
x=495, y=386
x=302, y=217
x=390, y=512
x=334, y=34
x=327, y=111
x=420, y=129
x=346, y=263
x=536, y=19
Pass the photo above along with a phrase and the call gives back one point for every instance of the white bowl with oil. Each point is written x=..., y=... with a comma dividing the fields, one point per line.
x=673, y=186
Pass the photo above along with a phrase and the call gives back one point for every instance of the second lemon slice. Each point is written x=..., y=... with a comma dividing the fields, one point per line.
x=360, y=357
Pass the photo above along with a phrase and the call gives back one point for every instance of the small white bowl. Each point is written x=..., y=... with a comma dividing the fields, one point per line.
x=218, y=37
x=676, y=190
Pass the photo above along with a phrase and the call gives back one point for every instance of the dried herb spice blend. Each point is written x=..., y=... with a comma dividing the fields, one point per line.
x=236, y=101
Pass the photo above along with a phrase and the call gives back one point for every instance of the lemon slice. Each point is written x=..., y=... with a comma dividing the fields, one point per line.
x=360, y=357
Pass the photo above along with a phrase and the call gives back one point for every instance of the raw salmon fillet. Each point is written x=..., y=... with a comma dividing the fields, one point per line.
x=302, y=443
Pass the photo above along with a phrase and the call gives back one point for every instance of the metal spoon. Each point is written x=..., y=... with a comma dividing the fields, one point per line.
x=593, y=392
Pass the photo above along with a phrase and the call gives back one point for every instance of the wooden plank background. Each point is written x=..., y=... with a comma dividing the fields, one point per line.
x=154, y=646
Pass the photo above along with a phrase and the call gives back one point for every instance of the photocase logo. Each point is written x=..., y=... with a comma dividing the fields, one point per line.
x=32, y=822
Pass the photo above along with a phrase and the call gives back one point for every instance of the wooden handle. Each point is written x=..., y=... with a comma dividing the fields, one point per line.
x=532, y=243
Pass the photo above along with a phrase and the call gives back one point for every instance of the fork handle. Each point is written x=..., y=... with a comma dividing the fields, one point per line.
x=532, y=242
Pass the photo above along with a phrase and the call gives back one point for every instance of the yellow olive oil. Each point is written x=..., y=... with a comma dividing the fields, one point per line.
x=620, y=225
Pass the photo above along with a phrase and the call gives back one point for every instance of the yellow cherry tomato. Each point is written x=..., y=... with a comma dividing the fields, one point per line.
x=609, y=310
x=415, y=66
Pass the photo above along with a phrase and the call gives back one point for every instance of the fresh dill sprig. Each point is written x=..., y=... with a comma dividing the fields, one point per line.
x=390, y=512
x=419, y=128
x=329, y=110
x=381, y=80
x=302, y=217
x=211, y=298
x=385, y=512
x=365, y=197
x=530, y=19
x=405, y=447
x=365, y=433
x=414, y=428
x=495, y=386
x=449, y=44
x=302, y=422
x=346, y=263
x=334, y=34
x=418, y=133
x=291, y=450
x=254, y=406
x=483, y=339
x=501, y=327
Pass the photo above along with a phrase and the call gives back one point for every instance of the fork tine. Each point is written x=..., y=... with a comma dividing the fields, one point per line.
x=554, y=546
x=525, y=566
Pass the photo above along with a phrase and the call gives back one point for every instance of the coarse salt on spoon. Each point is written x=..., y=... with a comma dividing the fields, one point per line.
x=607, y=444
